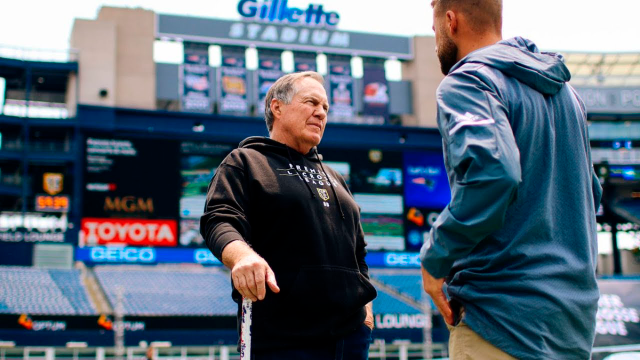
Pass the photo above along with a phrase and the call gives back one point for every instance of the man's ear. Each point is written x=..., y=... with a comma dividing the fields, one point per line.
x=276, y=108
x=452, y=22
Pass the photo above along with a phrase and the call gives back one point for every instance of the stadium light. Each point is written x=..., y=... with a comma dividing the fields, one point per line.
x=321, y=62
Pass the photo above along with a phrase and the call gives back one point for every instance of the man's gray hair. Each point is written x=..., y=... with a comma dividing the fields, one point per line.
x=284, y=90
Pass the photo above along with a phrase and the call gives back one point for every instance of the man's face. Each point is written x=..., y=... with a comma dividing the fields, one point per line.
x=446, y=49
x=304, y=119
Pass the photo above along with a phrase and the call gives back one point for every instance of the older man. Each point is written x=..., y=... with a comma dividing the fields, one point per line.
x=289, y=230
x=517, y=243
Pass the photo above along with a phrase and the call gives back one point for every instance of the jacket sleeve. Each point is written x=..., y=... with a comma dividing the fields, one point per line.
x=483, y=163
x=225, y=216
x=596, y=189
x=361, y=251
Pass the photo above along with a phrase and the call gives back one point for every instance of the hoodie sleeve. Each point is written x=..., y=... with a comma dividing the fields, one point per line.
x=225, y=216
x=483, y=163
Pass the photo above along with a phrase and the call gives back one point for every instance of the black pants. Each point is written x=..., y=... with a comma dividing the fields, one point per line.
x=352, y=347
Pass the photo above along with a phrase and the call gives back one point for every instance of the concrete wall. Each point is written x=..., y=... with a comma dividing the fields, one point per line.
x=116, y=54
x=96, y=44
x=424, y=73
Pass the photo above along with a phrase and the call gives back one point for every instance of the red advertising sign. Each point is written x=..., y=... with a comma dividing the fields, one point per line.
x=128, y=232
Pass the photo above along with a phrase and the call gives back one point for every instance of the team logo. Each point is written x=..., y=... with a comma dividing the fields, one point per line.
x=52, y=183
x=25, y=321
x=324, y=195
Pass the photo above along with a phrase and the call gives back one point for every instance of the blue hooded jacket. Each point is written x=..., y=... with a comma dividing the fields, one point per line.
x=517, y=242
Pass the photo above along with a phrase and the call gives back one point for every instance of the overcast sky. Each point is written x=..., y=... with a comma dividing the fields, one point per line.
x=564, y=25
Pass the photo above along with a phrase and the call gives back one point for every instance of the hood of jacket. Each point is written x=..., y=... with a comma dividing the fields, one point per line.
x=520, y=58
x=265, y=144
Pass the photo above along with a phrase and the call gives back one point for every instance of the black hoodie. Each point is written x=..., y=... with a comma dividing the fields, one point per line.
x=301, y=218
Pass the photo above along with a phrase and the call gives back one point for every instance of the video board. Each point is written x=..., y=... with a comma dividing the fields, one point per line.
x=152, y=192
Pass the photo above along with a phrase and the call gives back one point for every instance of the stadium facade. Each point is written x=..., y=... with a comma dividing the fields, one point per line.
x=106, y=154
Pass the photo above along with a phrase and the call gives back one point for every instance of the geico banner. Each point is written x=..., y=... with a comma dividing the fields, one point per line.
x=144, y=255
x=128, y=231
x=107, y=254
x=394, y=259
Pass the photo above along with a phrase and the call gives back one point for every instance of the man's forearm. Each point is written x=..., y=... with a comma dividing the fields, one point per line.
x=234, y=252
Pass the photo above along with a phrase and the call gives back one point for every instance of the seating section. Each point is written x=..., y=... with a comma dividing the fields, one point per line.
x=386, y=303
x=168, y=290
x=70, y=283
x=407, y=282
x=40, y=291
x=162, y=290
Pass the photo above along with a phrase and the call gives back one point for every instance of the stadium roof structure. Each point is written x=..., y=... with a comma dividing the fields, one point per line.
x=604, y=69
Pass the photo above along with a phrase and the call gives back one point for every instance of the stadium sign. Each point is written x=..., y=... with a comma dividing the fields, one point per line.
x=283, y=34
x=400, y=321
x=128, y=232
x=32, y=227
x=277, y=11
x=610, y=100
x=102, y=254
x=144, y=255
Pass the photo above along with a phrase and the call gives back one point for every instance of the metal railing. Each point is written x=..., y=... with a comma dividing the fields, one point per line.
x=399, y=350
x=48, y=55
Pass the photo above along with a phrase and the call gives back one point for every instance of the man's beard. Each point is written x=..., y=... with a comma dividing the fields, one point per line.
x=447, y=53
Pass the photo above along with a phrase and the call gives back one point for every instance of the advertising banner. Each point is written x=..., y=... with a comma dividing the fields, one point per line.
x=196, y=86
x=129, y=232
x=304, y=61
x=426, y=182
x=144, y=255
x=131, y=178
x=32, y=227
x=198, y=164
x=232, y=83
x=340, y=89
x=269, y=70
x=376, y=92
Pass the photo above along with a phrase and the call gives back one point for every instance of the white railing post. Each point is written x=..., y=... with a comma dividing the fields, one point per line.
x=224, y=353
x=49, y=354
x=100, y=353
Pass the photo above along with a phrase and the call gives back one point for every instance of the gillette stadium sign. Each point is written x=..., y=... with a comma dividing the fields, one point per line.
x=274, y=24
x=278, y=12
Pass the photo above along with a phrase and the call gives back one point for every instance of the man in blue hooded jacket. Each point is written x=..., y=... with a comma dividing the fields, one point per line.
x=516, y=245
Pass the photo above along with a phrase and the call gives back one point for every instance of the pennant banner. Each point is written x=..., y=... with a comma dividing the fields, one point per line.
x=341, y=90
x=232, y=84
x=196, y=85
x=269, y=70
x=375, y=97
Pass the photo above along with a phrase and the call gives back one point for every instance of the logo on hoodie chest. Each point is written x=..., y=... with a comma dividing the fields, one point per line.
x=309, y=175
x=312, y=177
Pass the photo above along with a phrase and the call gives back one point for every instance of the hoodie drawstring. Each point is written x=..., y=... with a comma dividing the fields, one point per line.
x=313, y=196
x=335, y=195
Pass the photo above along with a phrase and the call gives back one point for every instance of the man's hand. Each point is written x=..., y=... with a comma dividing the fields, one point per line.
x=368, y=320
x=249, y=271
x=433, y=287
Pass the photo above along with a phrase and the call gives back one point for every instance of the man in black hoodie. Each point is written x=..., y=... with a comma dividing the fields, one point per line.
x=289, y=230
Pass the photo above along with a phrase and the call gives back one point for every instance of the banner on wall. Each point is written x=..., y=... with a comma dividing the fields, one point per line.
x=304, y=61
x=340, y=89
x=196, y=85
x=232, y=86
x=375, y=97
x=269, y=70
